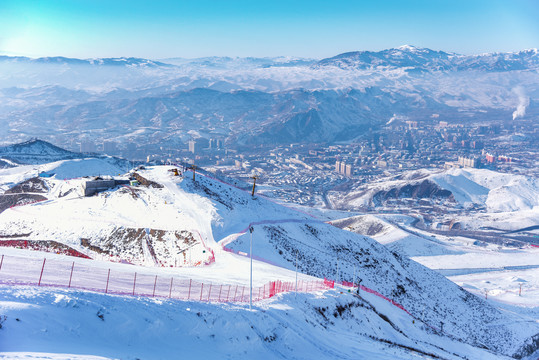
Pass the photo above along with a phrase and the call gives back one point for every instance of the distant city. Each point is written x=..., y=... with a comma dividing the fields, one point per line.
x=315, y=168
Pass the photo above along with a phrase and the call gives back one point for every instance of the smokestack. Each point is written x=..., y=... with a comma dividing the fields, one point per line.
x=523, y=102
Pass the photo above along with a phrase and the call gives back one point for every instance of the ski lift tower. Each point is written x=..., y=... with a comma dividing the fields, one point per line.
x=254, y=177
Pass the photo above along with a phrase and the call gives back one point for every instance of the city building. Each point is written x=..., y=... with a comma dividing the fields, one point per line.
x=468, y=162
x=192, y=146
x=338, y=166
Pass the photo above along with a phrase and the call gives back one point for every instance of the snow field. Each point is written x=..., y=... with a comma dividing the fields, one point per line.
x=325, y=325
x=504, y=286
x=220, y=212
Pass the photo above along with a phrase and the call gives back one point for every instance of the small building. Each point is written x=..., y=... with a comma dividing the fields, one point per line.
x=97, y=185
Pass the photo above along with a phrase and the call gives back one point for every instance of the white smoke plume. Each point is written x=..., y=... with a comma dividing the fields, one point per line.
x=523, y=102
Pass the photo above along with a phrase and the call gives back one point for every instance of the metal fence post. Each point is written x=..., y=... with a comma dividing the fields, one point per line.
x=40, y=276
x=297, y=272
x=107, y=287
x=154, y=284
x=71, y=275
x=134, y=282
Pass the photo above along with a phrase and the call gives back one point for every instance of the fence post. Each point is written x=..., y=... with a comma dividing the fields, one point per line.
x=71, y=275
x=235, y=292
x=40, y=276
x=228, y=294
x=170, y=291
x=107, y=287
x=189, y=293
x=1, y=262
x=154, y=284
x=209, y=293
x=354, y=281
x=337, y=270
x=134, y=282
x=297, y=272
x=243, y=292
x=220, y=289
x=201, y=289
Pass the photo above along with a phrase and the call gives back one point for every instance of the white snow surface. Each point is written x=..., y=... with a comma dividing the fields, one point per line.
x=64, y=169
x=62, y=324
x=510, y=201
x=499, y=192
x=283, y=327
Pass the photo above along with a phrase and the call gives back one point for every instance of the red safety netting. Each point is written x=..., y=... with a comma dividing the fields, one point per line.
x=64, y=274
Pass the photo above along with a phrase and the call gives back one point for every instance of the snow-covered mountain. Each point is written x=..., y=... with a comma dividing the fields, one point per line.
x=59, y=60
x=35, y=152
x=208, y=212
x=423, y=59
x=497, y=192
x=470, y=198
x=405, y=56
x=278, y=100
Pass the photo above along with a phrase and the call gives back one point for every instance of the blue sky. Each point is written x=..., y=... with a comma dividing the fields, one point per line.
x=176, y=28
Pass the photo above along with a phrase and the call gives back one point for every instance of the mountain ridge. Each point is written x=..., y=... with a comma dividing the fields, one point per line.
x=402, y=56
x=425, y=59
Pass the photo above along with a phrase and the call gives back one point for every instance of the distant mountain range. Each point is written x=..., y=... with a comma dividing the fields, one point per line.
x=123, y=61
x=253, y=101
x=429, y=60
x=405, y=56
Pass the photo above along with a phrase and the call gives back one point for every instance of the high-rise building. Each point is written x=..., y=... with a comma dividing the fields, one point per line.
x=468, y=162
x=216, y=144
x=192, y=146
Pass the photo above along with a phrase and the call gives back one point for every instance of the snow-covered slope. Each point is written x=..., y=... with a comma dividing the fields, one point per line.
x=394, y=238
x=220, y=214
x=35, y=152
x=498, y=192
x=454, y=188
x=76, y=325
x=62, y=170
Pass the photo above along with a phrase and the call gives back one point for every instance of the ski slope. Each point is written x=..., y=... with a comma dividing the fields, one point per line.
x=220, y=213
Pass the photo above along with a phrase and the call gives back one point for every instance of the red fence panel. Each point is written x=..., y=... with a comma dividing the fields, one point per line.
x=114, y=280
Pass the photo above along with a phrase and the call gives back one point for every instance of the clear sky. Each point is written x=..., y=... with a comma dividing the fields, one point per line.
x=315, y=28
